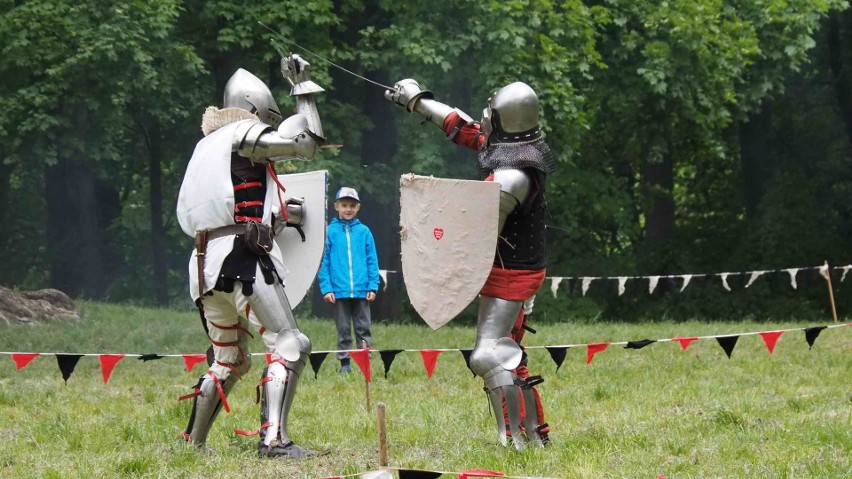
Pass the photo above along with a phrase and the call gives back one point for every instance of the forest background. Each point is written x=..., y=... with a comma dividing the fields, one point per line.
x=690, y=136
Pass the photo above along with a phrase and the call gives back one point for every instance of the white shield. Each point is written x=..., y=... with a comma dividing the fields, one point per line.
x=303, y=259
x=449, y=236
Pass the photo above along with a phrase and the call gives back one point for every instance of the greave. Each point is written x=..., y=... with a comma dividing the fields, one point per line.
x=205, y=407
x=530, y=419
x=272, y=405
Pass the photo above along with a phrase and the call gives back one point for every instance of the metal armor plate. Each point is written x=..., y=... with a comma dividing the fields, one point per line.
x=449, y=236
x=303, y=259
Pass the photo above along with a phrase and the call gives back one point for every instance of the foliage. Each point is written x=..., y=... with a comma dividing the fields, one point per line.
x=690, y=136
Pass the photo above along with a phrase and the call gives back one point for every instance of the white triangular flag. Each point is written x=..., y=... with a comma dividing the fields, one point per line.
x=652, y=283
x=753, y=277
x=383, y=273
x=554, y=284
x=725, y=280
x=845, y=270
x=823, y=270
x=621, y=281
x=686, y=279
x=793, y=272
x=586, y=283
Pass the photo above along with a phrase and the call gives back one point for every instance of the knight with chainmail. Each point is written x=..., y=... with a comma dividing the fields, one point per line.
x=513, y=153
x=232, y=203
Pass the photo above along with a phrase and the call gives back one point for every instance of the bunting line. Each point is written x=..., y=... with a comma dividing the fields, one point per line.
x=748, y=278
x=68, y=361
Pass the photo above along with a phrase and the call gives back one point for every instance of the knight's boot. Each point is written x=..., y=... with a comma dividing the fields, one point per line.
x=532, y=429
x=209, y=397
x=279, y=389
x=493, y=361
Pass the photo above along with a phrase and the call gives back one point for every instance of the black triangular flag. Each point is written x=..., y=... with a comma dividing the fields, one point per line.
x=149, y=357
x=557, y=353
x=466, y=354
x=606, y=283
x=416, y=474
x=639, y=344
x=316, y=362
x=811, y=335
x=728, y=343
x=633, y=286
x=572, y=285
x=774, y=278
x=388, y=357
x=67, y=363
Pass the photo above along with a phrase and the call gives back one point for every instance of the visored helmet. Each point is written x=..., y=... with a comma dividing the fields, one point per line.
x=512, y=114
x=248, y=92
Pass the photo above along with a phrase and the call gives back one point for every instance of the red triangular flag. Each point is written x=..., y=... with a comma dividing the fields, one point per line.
x=430, y=359
x=192, y=359
x=479, y=473
x=362, y=359
x=22, y=359
x=594, y=349
x=685, y=342
x=770, y=338
x=108, y=362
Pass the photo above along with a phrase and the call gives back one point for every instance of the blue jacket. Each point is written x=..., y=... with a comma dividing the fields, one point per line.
x=349, y=267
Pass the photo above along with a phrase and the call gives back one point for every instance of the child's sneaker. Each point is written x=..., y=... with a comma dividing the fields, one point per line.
x=345, y=369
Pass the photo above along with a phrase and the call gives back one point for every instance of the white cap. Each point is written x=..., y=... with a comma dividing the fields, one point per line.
x=347, y=192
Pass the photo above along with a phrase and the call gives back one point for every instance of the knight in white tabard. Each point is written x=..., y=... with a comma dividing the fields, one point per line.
x=232, y=203
x=513, y=153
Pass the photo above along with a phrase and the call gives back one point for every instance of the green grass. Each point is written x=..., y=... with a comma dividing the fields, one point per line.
x=655, y=411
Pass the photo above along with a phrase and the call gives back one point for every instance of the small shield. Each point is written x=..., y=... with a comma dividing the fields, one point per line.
x=303, y=258
x=449, y=236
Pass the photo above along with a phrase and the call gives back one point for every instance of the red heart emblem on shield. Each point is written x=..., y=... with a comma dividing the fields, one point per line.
x=439, y=233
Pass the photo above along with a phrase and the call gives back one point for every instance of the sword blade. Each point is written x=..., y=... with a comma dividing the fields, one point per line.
x=317, y=55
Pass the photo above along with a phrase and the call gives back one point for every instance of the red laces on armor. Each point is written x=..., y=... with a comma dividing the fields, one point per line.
x=251, y=184
x=255, y=432
x=246, y=204
x=281, y=189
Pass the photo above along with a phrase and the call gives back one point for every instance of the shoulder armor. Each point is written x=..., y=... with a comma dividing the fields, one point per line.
x=248, y=132
x=514, y=182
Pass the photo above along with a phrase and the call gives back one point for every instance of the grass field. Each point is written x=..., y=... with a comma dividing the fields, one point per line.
x=630, y=414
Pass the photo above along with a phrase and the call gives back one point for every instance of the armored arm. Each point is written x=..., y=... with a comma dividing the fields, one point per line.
x=514, y=188
x=298, y=72
x=407, y=93
x=297, y=137
x=292, y=140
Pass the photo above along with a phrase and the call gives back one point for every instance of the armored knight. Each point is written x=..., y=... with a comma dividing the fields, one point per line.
x=232, y=204
x=513, y=153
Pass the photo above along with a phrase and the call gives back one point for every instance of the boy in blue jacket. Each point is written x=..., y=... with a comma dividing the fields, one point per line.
x=349, y=274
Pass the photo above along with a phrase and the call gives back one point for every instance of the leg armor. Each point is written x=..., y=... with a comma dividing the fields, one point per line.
x=209, y=397
x=292, y=350
x=494, y=357
x=229, y=336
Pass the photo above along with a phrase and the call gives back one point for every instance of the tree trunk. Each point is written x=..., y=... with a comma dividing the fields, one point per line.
x=74, y=238
x=155, y=199
x=658, y=174
x=755, y=167
x=839, y=55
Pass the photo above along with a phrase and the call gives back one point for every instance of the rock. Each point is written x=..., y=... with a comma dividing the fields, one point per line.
x=31, y=306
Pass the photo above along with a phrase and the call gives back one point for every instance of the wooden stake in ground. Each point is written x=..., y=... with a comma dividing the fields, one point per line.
x=383, y=434
x=366, y=381
x=830, y=291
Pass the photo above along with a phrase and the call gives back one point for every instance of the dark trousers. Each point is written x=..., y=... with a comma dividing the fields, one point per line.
x=349, y=312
